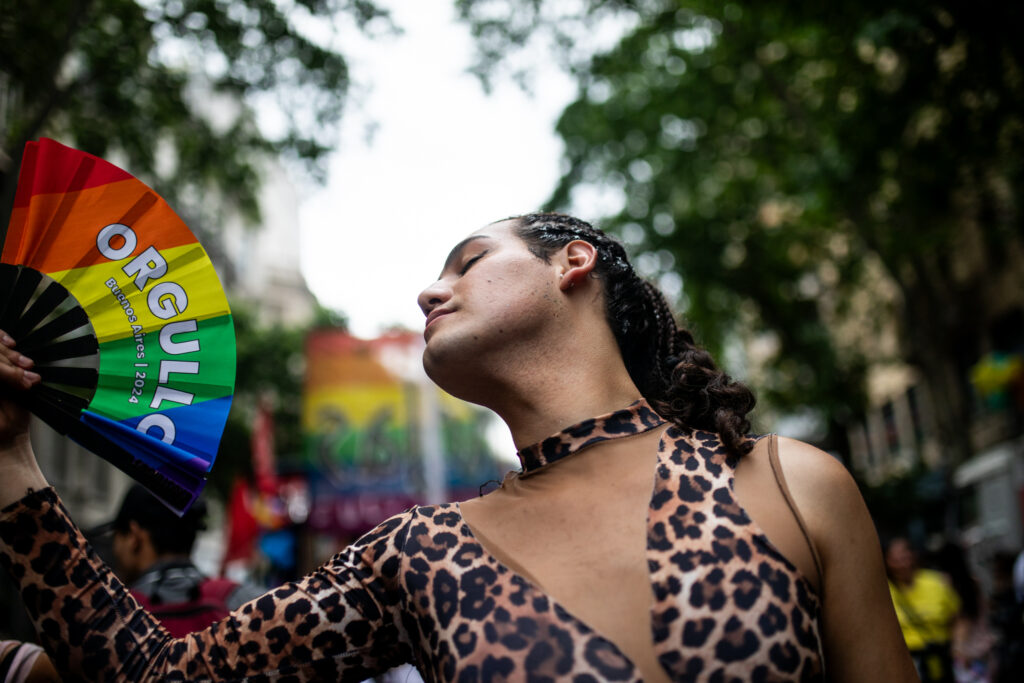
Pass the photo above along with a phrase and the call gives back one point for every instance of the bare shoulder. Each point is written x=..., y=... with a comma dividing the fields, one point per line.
x=857, y=609
x=822, y=488
x=802, y=461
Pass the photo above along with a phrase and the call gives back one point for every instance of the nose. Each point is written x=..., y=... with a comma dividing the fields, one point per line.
x=433, y=296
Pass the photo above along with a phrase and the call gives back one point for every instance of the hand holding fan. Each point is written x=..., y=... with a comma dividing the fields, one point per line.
x=108, y=291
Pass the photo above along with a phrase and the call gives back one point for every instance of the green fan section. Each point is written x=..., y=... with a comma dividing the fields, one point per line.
x=130, y=369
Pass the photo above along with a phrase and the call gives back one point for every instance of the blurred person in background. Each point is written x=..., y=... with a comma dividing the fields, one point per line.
x=646, y=537
x=152, y=550
x=926, y=606
x=1018, y=577
x=1007, y=619
x=973, y=639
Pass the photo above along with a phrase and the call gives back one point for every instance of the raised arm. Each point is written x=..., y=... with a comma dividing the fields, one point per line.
x=342, y=622
x=19, y=472
x=862, y=638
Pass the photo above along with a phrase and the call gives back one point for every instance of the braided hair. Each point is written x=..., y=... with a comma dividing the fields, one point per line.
x=678, y=378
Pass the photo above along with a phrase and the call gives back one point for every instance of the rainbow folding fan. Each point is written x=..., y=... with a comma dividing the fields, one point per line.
x=109, y=292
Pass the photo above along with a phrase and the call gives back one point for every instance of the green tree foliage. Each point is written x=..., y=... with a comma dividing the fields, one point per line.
x=780, y=155
x=120, y=77
x=169, y=89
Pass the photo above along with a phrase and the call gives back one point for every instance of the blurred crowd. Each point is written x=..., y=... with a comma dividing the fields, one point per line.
x=958, y=627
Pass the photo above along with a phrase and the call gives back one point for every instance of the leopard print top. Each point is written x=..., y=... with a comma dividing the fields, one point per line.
x=727, y=606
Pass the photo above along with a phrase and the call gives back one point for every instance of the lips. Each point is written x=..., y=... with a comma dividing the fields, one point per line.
x=434, y=315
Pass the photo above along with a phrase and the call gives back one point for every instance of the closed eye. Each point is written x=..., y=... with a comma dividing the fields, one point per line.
x=471, y=261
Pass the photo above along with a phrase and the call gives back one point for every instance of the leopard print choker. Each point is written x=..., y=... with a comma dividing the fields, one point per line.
x=636, y=418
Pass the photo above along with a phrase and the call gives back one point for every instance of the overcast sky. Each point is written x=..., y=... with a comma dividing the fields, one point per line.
x=444, y=159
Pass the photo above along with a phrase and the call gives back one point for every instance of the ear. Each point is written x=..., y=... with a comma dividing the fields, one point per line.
x=137, y=536
x=579, y=258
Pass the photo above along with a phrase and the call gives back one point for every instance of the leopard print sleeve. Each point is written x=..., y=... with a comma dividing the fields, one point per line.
x=342, y=622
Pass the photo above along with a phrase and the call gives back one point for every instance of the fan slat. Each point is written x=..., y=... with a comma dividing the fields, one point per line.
x=52, y=297
x=58, y=327
x=8, y=275
x=86, y=378
x=179, y=497
x=70, y=348
x=57, y=408
x=24, y=287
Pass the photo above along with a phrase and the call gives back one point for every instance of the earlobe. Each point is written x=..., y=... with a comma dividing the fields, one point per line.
x=580, y=258
x=135, y=536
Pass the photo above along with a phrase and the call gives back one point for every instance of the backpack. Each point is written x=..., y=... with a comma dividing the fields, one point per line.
x=182, y=618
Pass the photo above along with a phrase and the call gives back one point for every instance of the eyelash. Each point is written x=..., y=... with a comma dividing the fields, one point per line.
x=471, y=261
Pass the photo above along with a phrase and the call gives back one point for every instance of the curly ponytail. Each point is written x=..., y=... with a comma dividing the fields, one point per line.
x=678, y=378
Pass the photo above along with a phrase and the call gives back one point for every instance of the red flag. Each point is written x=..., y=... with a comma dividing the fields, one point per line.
x=242, y=526
x=262, y=445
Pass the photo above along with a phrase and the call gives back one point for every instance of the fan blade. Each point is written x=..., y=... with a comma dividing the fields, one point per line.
x=24, y=287
x=47, y=302
x=86, y=378
x=71, y=348
x=47, y=240
x=58, y=327
x=176, y=496
x=58, y=409
x=8, y=276
x=176, y=488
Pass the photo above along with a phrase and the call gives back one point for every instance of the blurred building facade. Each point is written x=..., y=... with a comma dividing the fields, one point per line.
x=260, y=264
x=982, y=495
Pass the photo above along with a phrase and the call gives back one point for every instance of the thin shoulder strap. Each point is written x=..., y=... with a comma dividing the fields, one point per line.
x=773, y=460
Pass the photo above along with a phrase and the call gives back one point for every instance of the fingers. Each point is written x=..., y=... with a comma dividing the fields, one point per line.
x=15, y=368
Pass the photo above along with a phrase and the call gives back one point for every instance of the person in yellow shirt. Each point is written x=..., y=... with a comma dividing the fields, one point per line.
x=926, y=606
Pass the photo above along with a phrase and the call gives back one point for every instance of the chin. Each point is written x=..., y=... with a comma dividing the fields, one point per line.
x=453, y=374
x=438, y=362
x=429, y=366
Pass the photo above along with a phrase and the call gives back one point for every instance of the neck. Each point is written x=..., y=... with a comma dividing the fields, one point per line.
x=169, y=558
x=904, y=580
x=578, y=382
x=560, y=409
x=630, y=420
x=563, y=373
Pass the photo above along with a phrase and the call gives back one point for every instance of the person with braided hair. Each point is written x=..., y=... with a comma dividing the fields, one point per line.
x=646, y=536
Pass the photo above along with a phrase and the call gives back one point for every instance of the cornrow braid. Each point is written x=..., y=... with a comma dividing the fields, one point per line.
x=678, y=378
